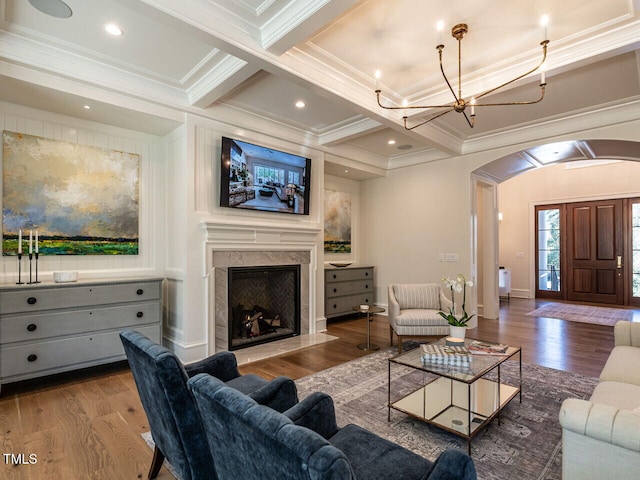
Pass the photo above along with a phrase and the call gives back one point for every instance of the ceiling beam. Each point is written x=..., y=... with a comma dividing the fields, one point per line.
x=300, y=20
x=358, y=128
x=226, y=75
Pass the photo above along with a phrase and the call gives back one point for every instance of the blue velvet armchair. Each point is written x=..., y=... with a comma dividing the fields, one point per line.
x=252, y=442
x=175, y=424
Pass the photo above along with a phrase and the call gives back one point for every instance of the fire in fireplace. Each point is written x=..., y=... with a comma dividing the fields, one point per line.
x=264, y=304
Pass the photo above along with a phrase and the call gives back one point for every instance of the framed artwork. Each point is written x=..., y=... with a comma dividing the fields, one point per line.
x=81, y=200
x=337, y=221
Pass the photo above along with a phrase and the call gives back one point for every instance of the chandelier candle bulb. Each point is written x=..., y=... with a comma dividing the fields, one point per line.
x=440, y=27
x=37, y=250
x=544, y=21
x=30, y=241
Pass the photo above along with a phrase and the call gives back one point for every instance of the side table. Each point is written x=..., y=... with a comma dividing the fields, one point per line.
x=369, y=310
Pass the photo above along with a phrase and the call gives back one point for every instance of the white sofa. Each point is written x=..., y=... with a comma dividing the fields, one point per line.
x=601, y=436
x=413, y=311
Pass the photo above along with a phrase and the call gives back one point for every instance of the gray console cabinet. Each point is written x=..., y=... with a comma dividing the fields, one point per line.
x=345, y=287
x=56, y=327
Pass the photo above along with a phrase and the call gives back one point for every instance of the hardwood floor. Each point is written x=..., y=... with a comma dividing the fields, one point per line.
x=575, y=347
x=87, y=424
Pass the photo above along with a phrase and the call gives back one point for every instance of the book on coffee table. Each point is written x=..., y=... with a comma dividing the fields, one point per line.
x=477, y=347
x=451, y=355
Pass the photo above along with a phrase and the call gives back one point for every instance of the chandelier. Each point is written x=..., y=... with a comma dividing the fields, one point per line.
x=460, y=104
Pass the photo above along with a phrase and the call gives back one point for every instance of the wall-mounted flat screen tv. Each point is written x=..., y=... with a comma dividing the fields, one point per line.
x=260, y=178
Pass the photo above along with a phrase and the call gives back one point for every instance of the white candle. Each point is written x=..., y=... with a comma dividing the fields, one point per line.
x=37, y=250
x=19, y=241
x=544, y=21
x=30, y=241
x=440, y=27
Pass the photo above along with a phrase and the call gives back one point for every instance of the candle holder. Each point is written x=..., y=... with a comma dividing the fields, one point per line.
x=37, y=255
x=19, y=282
x=30, y=268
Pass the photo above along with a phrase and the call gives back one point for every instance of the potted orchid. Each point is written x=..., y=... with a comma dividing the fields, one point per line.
x=457, y=321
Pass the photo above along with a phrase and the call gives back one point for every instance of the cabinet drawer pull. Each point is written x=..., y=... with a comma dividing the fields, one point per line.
x=32, y=358
x=140, y=291
x=32, y=327
x=335, y=290
x=366, y=286
x=139, y=314
x=32, y=300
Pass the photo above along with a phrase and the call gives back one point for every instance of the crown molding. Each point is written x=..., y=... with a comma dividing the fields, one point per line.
x=225, y=75
x=52, y=60
x=587, y=119
x=357, y=128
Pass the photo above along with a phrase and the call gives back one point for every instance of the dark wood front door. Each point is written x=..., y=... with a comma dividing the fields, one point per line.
x=595, y=246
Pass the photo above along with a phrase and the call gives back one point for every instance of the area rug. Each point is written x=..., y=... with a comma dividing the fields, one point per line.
x=583, y=313
x=526, y=444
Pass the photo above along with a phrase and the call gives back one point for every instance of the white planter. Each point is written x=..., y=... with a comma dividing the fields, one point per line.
x=457, y=332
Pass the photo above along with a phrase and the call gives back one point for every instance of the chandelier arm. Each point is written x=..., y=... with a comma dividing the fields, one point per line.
x=469, y=121
x=542, y=90
x=386, y=107
x=440, y=47
x=544, y=57
x=426, y=121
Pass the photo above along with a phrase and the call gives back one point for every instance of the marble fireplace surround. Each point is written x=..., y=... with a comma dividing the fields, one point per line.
x=243, y=245
x=222, y=261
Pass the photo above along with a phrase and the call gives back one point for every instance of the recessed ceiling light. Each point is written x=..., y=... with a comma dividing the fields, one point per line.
x=391, y=142
x=55, y=8
x=87, y=107
x=346, y=171
x=300, y=104
x=113, y=29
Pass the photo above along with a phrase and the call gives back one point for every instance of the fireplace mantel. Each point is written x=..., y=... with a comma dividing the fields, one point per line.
x=234, y=242
x=236, y=232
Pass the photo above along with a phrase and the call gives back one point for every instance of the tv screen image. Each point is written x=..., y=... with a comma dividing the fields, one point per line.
x=254, y=177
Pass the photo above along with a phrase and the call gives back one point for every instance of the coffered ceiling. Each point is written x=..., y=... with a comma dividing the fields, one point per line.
x=258, y=57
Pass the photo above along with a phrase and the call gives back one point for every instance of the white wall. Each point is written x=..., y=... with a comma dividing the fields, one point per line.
x=415, y=213
x=150, y=260
x=553, y=184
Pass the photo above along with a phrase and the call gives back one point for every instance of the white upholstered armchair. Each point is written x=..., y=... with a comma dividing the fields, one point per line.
x=413, y=311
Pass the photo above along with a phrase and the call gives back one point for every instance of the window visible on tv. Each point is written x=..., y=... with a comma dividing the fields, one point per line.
x=254, y=177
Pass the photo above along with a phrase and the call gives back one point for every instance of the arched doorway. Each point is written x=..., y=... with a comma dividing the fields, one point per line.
x=485, y=182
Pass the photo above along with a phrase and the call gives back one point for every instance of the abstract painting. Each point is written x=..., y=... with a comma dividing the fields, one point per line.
x=81, y=200
x=337, y=221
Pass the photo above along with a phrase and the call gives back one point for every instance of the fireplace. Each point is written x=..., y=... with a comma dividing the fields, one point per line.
x=222, y=260
x=264, y=304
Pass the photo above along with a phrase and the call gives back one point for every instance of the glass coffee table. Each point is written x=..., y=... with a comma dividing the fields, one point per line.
x=459, y=399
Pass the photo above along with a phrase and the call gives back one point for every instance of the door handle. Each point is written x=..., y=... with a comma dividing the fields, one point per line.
x=619, y=261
